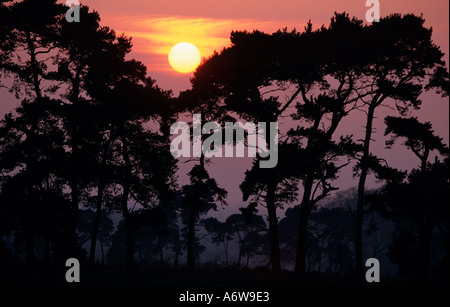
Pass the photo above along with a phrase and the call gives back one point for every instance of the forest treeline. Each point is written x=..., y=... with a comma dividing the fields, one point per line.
x=86, y=170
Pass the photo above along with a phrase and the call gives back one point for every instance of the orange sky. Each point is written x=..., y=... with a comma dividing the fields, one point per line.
x=157, y=25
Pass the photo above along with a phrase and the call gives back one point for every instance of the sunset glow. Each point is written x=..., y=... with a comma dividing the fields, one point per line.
x=184, y=57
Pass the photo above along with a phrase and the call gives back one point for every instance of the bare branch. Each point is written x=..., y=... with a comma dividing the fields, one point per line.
x=290, y=100
x=47, y=51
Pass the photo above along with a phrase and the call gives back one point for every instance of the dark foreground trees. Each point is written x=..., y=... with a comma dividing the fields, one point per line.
x=81, y=136
x=403, y=62
x=330, y=72
x=91, y=138
x=419, y=205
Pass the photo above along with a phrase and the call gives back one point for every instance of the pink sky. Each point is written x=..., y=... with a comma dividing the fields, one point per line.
x=157, y=25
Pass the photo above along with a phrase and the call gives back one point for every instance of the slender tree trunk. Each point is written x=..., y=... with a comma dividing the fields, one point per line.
x=34, y=66
x=305, y=208
x=190, y=241
x=359, y=218
x=74, y=168
x=28, y=231
x=273, y=229
x=74, y=204
x=425, y=225
x=192, y=219
x=124, y=204
x=275, y=258
x=98, y=216
x=98, y=213
x=29, y=212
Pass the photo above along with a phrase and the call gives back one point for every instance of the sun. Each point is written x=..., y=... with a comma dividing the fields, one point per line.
x=184, y=57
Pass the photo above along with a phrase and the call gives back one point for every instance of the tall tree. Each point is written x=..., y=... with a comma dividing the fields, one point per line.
x=143, y=165
x=239, y=77
x=402, y=61
x=25, y=56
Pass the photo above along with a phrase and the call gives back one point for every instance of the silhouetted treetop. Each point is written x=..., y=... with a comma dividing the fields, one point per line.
x=419, y=137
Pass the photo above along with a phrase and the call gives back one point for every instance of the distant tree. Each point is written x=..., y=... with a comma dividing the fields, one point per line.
x=201, y=195
x=220, y=232
x=105, y=230
x=329, y=238
x=251, y=231
x=333, y=228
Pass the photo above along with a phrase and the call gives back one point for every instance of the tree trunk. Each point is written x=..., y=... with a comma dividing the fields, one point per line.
x=34, y=66
x=98, y=216
x=305, y=208
x=425, y=226
x=359, y=219
x=273, y=229
x=98, y=213
x=190, y=241
x=124, y=205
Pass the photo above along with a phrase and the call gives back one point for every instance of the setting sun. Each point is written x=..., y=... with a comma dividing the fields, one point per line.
x=184, y=57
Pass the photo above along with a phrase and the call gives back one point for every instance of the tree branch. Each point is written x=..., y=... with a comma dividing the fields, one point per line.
x=289, y=101
x=47, y=51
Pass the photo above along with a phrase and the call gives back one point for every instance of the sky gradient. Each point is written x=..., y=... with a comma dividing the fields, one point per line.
x=155, y=26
